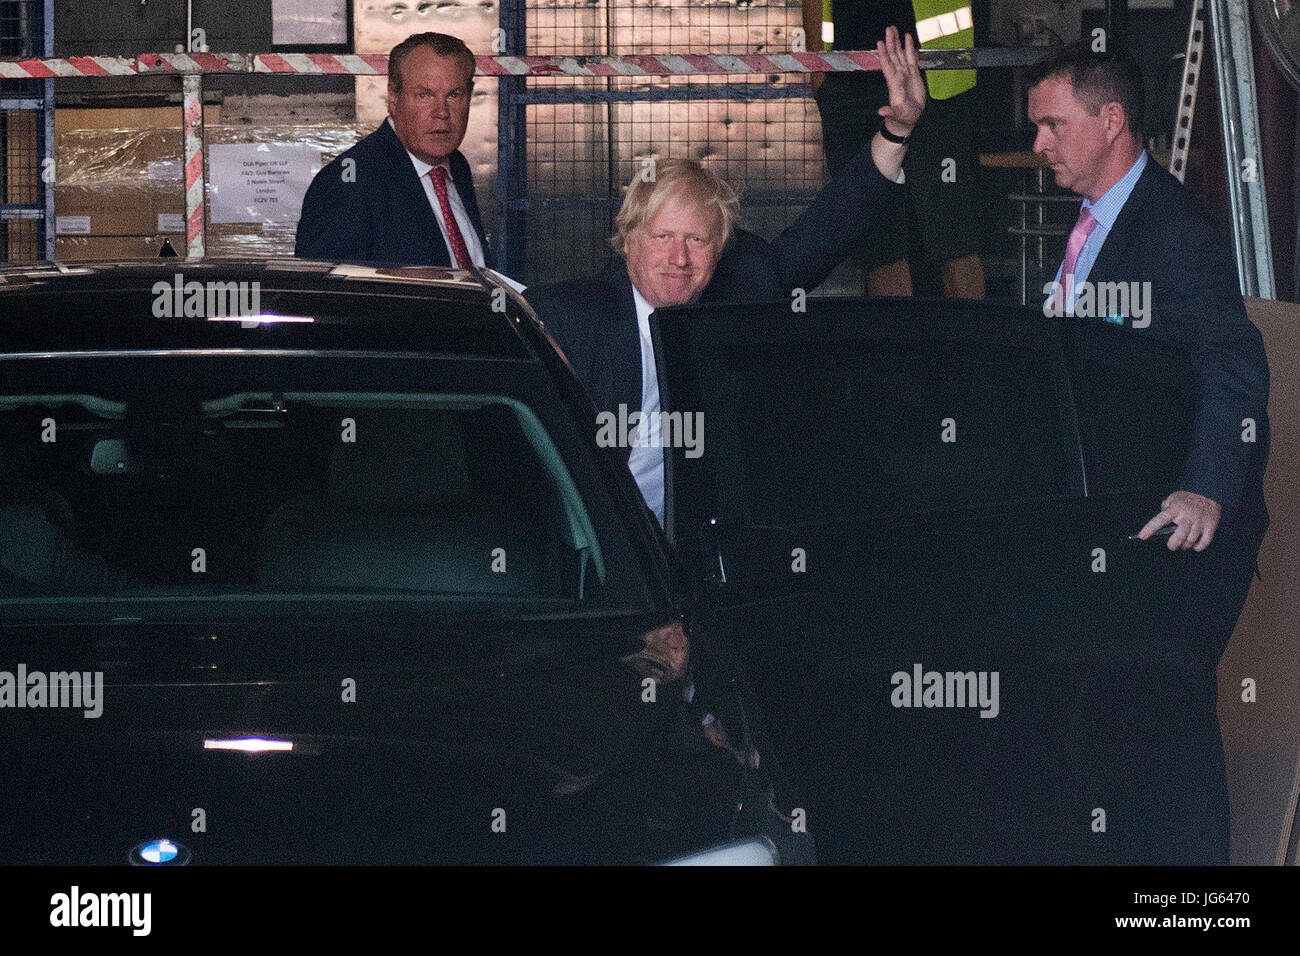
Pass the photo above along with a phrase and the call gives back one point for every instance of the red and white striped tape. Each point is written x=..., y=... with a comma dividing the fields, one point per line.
x=376, y=64
x=195, y=244
x=677, y=64
x=193, y=66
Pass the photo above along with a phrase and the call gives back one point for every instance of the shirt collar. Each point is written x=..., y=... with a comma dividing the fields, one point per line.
x=1106, y=209
x=643, y=310
x=421, y=167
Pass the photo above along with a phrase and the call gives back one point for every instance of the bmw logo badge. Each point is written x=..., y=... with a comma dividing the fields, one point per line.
x=160, y=853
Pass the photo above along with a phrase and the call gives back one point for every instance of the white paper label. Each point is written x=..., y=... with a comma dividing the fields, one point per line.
x=259, y=182
x=72, y=225
x=171, y=222
x=163, y=169
x=309, y=21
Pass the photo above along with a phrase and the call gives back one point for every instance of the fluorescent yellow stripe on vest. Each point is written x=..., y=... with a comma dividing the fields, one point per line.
x=945, y=24
x=950, y=29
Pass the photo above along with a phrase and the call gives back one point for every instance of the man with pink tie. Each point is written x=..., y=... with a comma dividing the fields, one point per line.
x=1144, y=740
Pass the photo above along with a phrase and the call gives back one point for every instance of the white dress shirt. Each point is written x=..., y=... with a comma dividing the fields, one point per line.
x=647, y=459
x=472, y=245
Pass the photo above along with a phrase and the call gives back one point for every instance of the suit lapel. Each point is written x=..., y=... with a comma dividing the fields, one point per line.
x=423, y=226
x=623, y=338
x=1115, y=249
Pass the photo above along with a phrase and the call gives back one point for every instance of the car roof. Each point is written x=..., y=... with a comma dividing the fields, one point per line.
x=29, y=273
x=52, y=306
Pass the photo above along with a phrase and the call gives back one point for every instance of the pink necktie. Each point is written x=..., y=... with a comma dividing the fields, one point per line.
x=1078, y=236
x=439, y=176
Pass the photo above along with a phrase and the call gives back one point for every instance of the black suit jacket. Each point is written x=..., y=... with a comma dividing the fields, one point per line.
x=1162, y=238
x=381, y=212
x=1131, y=716
x=594, y=319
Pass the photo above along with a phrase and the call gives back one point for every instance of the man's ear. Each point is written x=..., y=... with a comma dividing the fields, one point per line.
x=1113, y=116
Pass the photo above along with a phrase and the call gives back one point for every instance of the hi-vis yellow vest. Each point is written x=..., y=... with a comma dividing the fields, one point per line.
x=945, y=25
x=940, y=25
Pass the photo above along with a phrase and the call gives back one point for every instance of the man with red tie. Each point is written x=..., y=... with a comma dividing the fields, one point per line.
x=404, y=194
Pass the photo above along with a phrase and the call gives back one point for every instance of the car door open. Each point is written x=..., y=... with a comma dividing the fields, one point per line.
x=891, y=522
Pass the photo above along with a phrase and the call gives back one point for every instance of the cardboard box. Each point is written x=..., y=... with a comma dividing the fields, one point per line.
x=88, y=248
x=146, y=117
x=120, y=172
x=112, y=210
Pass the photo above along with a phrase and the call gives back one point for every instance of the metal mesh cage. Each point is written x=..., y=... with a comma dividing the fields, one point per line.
x=584, y=139
x=23, y=131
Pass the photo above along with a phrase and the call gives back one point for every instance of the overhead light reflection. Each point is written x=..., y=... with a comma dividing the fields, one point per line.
x=261, y=318
x=249, y=745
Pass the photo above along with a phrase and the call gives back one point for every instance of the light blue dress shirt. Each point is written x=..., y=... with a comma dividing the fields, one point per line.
x=1105, y=210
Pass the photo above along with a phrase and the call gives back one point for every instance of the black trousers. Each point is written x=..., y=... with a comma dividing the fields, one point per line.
x=1136, y=771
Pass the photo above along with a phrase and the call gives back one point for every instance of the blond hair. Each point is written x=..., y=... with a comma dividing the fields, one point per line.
x=675, y=177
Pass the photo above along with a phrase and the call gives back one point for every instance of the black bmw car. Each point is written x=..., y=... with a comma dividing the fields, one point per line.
x=305, y=563
x=314, y=564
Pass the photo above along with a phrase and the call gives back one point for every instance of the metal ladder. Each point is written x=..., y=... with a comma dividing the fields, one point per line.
x=1234, y=69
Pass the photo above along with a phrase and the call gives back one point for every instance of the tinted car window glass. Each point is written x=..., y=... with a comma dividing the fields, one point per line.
x=857, y=428
x=453, y=496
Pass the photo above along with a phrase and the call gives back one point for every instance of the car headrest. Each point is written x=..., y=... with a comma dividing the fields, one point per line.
x=401, y=457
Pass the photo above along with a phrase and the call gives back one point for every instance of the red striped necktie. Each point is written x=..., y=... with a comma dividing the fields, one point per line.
x=439, y=176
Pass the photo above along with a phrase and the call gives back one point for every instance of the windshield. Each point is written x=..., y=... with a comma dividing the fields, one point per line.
x=210, y=487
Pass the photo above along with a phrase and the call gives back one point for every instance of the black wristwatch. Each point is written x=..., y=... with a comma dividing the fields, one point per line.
x=893, y=137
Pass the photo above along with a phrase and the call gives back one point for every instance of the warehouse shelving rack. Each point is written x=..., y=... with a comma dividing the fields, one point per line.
x=26, y=133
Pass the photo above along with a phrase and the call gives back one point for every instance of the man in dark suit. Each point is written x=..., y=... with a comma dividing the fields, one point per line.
x=678, y=244
x=1138, y=227
x=404, y=194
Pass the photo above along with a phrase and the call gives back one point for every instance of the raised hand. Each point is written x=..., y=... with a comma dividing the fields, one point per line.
x=903, y=77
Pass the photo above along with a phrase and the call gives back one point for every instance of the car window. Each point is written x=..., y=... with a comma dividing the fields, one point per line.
x=205, y=490
x=807, y=430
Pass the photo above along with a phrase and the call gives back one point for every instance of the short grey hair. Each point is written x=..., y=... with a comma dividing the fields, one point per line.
x=443, y=44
